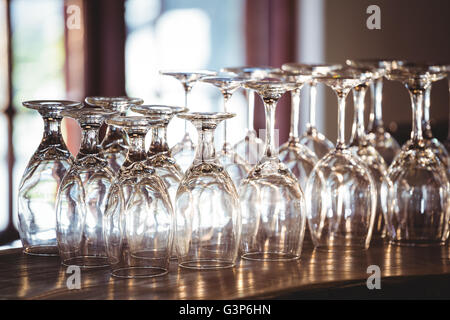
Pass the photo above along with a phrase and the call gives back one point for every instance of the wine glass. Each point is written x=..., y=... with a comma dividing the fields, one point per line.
x=437, y=72
x=139, y=216
x=361, y=146
x=384, y=143
x=159, y=155
x=298, y=158
x=114, y=144
x=342, y=193
x=250, y=148
x=420, y=207
x=208, y=219
x=272, y=203
x=41, y=179
x=236, y=167
x=82, y=196
x=312, y=138
x=183, y=152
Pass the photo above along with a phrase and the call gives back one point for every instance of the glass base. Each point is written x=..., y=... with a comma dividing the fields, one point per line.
x=341, y=248
x=45, y=251
x=138, y=272
x=205, y=264
x=87, y=262
x=270, y=256
x=417, y=243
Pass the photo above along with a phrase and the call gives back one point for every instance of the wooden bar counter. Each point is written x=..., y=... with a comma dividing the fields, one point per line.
x=405, y=273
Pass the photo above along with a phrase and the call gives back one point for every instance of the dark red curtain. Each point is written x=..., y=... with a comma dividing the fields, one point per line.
x=105, y=47
x=271, y=40
x=95, y=56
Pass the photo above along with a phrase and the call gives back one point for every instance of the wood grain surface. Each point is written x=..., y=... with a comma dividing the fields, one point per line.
x=316, y=274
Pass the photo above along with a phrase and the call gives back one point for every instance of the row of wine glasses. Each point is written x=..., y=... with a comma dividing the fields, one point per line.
x=117, y=204
x=251, y=147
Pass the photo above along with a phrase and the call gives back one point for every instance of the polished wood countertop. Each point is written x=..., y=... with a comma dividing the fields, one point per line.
x=405, y=272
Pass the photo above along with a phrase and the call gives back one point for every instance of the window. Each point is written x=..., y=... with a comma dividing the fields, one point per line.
x=36, y=44
x=189, y=34
x=49, y=61
x=38, y=72
x=4, y=105
x=161, y=34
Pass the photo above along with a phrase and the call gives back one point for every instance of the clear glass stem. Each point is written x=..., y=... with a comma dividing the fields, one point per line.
x=358, y=130
x=226, y=98
x=251, y=109
x=187, y=91
x=270, y=107
x=341, y=95
x=295, y=113
x=376, y=110
x=417, y=99
x=205, y=151
x=136, y=151
x=158, y=142
x=312, y=104
x=426, y=113
x=89, y=140
x=52, y=131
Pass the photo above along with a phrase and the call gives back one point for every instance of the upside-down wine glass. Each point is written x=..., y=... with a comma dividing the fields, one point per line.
x=298, y=158
x=342, y=194
x=420, y=207
x=236, y=167
x=159, y=155
x=114, y=144
x=41, y=180
x=183, y=152
x=361, y=146
x=82, y=196
x=437, y=73
x=272, y=202
x=384, y=143
x=312, y=138
x=250, y=148
x=139, y=216
x=208, y=218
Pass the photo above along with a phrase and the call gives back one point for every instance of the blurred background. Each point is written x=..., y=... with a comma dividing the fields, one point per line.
x=69, y=49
